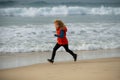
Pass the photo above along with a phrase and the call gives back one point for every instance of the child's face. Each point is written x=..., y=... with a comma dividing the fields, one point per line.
x=56, y=25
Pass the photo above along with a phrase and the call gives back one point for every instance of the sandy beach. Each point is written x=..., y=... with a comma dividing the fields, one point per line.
x=97, y=69
x=30, y=29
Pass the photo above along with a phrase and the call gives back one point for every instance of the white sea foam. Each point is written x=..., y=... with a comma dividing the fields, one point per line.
x=82, y=36
x=59, y=10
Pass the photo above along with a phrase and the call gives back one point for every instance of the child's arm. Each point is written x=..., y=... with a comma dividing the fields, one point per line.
x=61, y=34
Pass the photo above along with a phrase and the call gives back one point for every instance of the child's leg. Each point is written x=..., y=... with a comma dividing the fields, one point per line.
x=71, y=52
x=68, y=50
x=54, y=51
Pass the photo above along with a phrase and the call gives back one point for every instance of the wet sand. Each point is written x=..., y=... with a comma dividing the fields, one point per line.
x=13, y=60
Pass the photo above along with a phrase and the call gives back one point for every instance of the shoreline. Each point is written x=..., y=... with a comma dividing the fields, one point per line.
x=96, y=69
x=36, y=52
x=19, y=60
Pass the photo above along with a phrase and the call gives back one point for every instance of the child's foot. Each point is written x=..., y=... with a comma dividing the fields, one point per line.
x=51, y=61
x=75, y=57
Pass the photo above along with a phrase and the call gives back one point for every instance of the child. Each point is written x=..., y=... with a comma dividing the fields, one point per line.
x=61, y=30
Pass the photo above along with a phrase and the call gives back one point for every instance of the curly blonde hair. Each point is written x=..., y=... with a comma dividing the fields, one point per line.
x=60, y=23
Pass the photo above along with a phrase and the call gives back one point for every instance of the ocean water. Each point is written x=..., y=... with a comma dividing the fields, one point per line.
x=29, y=27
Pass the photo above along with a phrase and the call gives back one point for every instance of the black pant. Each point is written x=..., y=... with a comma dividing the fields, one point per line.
x=57, y=46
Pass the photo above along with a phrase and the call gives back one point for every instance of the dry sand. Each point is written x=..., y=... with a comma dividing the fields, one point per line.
x=98, y=69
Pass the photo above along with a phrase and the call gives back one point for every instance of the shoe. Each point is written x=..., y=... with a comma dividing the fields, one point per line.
x=75, y=57
x=51, y=61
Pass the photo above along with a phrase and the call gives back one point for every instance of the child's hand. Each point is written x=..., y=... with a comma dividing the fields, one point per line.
x=55, y=35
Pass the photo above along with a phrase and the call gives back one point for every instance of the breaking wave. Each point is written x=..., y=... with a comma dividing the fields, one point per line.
x=82, y=36
x=59, y=10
